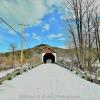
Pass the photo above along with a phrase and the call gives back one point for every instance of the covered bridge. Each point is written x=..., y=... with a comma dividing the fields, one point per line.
x=48, y=54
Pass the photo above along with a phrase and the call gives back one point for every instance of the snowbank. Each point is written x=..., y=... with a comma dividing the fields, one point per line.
x=4, y=73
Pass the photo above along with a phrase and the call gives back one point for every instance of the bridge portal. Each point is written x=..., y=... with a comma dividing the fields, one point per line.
x=48, y=54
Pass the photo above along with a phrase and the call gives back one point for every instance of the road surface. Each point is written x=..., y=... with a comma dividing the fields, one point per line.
x=49, y=82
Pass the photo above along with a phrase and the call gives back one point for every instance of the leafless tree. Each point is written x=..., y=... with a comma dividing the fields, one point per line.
x=82, y=27
x=96, y=23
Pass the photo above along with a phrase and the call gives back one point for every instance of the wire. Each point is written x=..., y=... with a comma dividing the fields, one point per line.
x=13, y=29
x=10, y=26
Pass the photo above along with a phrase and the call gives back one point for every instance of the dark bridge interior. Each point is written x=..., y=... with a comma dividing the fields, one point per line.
x=49, y=56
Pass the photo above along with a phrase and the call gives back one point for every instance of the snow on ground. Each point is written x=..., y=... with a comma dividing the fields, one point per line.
x=4, y=73
x=49, y=82
x=17, y=66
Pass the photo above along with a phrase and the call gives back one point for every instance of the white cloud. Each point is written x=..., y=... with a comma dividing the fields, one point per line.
x=64, y=47
x=46, y=27
x=26, y=11
x=50, y=36
x=36, y=37
x=52, y=2
x=66, y=17
x=62, y=39
x=18, y=11
x=53, y=19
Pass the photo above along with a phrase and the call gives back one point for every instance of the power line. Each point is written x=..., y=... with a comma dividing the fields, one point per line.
x=12, y=29
x=9, y=26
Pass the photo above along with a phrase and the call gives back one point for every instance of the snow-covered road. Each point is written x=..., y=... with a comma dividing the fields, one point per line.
x=49, y=82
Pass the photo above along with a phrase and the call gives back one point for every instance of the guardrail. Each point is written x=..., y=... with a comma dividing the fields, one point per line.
x=76, y=70
x=18, y=71
x=79, y=72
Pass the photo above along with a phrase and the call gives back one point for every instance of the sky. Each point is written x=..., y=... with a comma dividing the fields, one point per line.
x=44, y=22
x=43, y=19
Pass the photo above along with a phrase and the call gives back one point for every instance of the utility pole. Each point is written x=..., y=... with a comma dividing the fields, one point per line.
x=13, y=48
x=22, y=42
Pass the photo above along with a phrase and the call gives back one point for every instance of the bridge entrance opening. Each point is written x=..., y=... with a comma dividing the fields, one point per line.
x=49, y=57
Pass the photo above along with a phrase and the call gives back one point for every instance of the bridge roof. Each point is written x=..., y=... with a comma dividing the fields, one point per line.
x=48, y=50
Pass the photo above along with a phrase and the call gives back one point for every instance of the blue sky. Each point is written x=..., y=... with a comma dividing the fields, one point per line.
x=45, y=18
